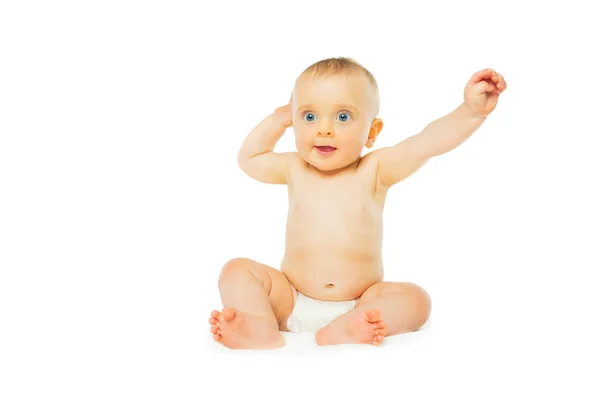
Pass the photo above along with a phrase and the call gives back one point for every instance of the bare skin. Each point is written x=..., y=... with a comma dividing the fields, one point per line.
x=334, y=225
x=238, y=330
x=336, y=200
x=340, y=213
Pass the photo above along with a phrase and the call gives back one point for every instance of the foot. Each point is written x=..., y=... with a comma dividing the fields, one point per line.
x=354, y=327
x=238, y=330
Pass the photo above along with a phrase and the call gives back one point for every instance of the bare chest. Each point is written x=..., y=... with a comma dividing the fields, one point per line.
x=344, y=209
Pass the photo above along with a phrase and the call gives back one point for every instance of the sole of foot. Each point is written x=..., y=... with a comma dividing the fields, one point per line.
x=238, y=330
x=364, y=327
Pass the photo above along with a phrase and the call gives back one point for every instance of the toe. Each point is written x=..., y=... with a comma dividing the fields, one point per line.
x=379, y=339
x=380, y=325
x=217, y=338
x=380, y=332
x=215, y=314
x=214, y=330
x=373, y=315
x=212, y=321
x=228, y=313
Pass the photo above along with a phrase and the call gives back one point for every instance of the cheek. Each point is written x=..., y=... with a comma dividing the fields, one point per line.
x=302, y=135
x=352, y=138
x=354, y=145
x=302, y=138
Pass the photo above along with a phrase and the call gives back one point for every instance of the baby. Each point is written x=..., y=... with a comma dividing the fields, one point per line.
x=330, y=280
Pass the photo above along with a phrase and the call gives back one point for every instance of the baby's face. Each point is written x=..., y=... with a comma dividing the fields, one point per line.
x=334, y=111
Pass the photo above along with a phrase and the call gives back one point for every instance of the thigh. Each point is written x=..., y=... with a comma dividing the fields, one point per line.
x=372, y=292
x=277, y=286
x=383, y=288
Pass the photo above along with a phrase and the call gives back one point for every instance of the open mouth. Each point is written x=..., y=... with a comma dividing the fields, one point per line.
x=325, y=149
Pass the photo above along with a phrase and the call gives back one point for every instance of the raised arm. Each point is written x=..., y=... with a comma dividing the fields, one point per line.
x=397, y=162
x=256, y=157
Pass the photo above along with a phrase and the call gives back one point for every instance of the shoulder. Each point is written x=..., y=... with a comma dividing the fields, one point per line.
x=369, y=163
x=368, y=168
x=369, y=160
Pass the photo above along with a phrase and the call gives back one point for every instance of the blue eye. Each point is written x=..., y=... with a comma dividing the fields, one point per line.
x=309, y=120
x=345, y=115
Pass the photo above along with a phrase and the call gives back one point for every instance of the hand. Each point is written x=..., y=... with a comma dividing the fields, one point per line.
x=284, y=114
x=482, y=91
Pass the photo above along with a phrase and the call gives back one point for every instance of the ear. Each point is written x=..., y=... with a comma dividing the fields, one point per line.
x=376, y=127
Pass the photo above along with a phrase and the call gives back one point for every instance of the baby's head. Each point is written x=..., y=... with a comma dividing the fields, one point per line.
x=335, y=103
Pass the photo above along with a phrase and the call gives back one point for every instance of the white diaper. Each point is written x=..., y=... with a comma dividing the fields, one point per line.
x=310, y=315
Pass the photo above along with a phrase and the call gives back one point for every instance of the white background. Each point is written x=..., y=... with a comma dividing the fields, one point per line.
x=121, y=198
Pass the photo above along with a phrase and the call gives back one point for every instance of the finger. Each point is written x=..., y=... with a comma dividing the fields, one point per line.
x=483, y=74
x=502, y=82
x=499, y=88
x=496, y=77
x=485, y=86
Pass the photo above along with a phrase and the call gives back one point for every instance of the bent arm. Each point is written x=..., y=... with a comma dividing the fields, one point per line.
x=256, y=157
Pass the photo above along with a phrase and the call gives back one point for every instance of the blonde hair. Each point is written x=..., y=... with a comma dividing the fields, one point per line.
x=343, y=66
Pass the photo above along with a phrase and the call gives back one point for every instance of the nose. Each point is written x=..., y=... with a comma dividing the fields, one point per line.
x=325, y=131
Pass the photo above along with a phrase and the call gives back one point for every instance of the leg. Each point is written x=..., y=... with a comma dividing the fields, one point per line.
x=404, y=306
x=384, y=309
x=257, y=301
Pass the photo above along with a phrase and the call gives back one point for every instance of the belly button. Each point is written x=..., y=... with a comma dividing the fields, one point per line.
x=329, y=285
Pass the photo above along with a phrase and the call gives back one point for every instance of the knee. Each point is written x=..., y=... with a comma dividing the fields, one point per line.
x=423, y=305
x=237, y=267
x=234, y=266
